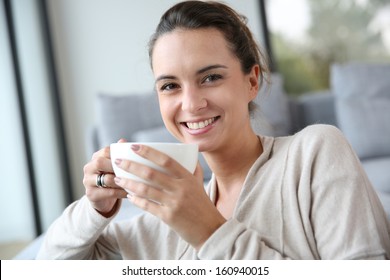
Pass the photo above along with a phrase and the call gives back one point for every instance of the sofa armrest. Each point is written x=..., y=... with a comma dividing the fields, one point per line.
x=312, y=108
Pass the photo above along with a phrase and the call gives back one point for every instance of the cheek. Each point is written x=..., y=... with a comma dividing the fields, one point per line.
x=168, y=114
x=167, y=110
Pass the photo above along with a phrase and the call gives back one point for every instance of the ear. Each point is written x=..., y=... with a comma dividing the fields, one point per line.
x=253, y=78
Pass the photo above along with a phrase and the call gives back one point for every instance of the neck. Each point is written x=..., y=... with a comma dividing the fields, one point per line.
x=231, y=165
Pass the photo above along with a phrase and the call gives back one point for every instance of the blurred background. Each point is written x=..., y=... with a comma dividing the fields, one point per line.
x=57, y=55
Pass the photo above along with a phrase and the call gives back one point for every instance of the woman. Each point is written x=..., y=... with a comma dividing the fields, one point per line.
x=299, y=197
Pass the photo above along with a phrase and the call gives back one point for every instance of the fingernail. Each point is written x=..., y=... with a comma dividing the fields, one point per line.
x=135, y=147
x=118, y=161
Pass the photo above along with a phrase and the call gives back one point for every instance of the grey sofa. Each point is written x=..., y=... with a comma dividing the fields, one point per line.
x=358, y=102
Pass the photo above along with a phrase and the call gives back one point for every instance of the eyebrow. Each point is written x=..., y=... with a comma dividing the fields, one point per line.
x=200, y=71
x=210, y=67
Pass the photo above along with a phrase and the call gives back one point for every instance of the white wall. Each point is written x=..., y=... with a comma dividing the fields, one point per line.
x=101, y=46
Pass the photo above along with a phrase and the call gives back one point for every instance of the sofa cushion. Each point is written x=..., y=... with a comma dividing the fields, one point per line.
x=161, y=134
x=362, y=94
x=314, y=108
x=119, y=116
x=378, y=171
x=272, y=117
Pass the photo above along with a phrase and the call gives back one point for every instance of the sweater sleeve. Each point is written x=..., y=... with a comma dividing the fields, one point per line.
x=77, y=234
x=245, y=244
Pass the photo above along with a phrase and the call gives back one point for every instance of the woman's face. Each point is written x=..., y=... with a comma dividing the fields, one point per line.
x=202, y=91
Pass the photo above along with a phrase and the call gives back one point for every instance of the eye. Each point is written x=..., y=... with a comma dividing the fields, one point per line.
x=168, y=87
x=211, y=78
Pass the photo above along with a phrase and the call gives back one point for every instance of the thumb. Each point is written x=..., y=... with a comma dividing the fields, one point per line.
x=122, y=140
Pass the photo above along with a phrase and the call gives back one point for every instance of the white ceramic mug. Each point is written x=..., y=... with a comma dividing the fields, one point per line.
x=184, y=154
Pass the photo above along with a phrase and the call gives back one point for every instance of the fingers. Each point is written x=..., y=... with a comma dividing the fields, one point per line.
x=159, y=189
x=155, y=177
x=150, y=206
x=100, y=164
x=161, y=159
x=101, y=160
x=108, y=180
x=96, y=167
x=105, y=197
x=108, y=191
x=97, y=194
x=141, y=189
x=152, y=176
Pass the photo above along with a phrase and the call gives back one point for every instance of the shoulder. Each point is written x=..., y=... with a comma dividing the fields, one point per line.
x=320, y=132
x=320, y=136
x=316, y=142
x=313, y=134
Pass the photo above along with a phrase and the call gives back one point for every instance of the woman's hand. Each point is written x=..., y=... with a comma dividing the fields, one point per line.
x=103, y=199
x=177, y=198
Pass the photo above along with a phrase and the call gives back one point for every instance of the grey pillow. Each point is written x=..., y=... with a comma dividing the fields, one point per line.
x=362, y=102
x=161, y=134
x=120, y=116
x=273, y=114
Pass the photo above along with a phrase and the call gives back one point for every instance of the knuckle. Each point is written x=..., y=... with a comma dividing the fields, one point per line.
x=85, y=181
x=104, y=152
x=143, y=204
x=89, y=193
x=166, y=162
x=95, y=154
x=143, y=190
x=85, y=168
x=149, y=174
x=99, y=162
x=89, y=167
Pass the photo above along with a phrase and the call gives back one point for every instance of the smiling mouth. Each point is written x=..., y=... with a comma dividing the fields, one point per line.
x=201, y=124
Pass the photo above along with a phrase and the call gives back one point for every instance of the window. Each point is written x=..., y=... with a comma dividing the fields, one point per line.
x=307, y=36
x=34, y=190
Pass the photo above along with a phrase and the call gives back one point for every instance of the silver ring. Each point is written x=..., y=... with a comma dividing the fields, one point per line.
x=100, y=180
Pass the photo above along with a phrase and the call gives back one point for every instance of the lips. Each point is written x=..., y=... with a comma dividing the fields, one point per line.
x=200, y=124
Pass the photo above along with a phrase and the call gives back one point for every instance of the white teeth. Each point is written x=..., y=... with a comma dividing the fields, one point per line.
x=199, y=125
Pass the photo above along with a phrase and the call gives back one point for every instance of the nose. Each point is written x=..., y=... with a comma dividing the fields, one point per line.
x=193, y=100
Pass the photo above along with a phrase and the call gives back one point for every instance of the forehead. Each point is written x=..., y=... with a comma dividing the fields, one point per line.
x=190, y=49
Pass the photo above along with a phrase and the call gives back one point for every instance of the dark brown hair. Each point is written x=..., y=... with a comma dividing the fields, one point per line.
x=212, y=14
